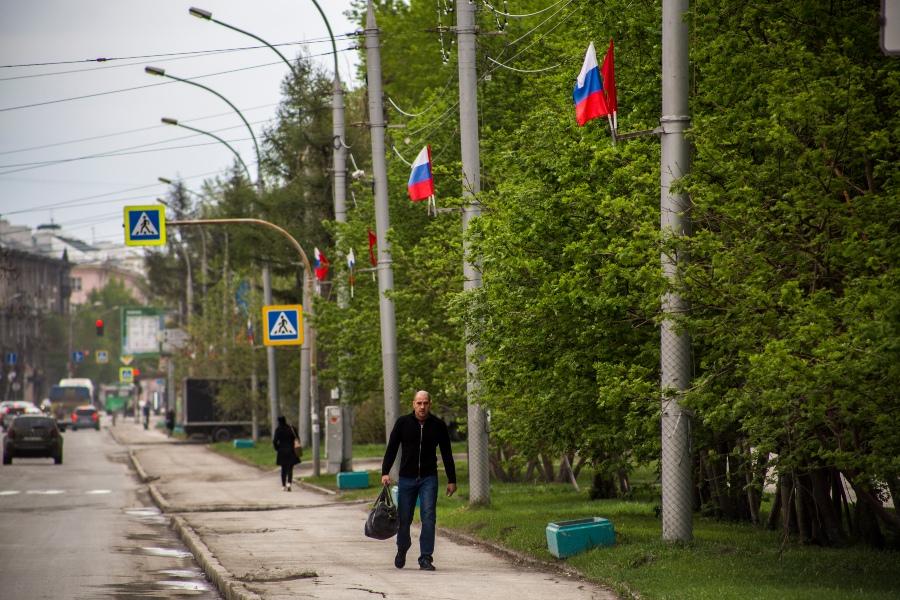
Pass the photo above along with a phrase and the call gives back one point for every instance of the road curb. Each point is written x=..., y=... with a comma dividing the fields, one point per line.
x=515, y=556
x=142, y=474
x=215, y=572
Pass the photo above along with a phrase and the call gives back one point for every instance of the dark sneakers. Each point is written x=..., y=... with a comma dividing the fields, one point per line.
x=400, y=559
x=426, y=563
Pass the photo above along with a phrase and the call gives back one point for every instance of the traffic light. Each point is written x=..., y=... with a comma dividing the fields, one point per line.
x=99, y=325
x=135, y=372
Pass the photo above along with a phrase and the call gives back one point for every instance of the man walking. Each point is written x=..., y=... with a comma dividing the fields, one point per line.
x=418, y=434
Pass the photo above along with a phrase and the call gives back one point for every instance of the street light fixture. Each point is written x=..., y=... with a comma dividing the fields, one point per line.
x=162, y=73
x=206, y=15
x=171, y=121
x=339, y=164
x=307, y=377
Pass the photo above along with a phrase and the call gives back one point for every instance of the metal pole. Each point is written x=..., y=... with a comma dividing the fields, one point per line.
x=304, y=415
x=309, y=336
x=270, y=355
x=382, y=224
x=303, y=424
x=339, y=165
x=675, y=345
x=479, y=465
x=171, y=402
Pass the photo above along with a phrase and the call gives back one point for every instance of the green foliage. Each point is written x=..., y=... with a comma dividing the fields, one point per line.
x=792, y=275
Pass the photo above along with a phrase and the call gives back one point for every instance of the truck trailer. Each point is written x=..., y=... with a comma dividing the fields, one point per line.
x=217, y=408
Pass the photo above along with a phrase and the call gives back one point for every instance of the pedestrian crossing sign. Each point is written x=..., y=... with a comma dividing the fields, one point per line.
x=126, y=374
x=145, y=225
x=282, y=325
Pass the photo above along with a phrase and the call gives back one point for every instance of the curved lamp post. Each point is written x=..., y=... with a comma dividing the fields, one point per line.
x=339, y=163
x=170, y=121
x=162, y=73
x=339, y=166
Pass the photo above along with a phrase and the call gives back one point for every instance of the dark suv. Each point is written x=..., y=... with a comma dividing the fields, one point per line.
x=85, y=416
x=33, y=435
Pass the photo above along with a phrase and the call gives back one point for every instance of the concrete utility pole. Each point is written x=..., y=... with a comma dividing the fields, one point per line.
x=270, y=353
x=382, y=224
x=339, y=164
x=479, y=465
x=675, y=346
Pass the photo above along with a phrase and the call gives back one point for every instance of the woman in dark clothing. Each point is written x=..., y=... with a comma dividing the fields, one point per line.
x=286, y=456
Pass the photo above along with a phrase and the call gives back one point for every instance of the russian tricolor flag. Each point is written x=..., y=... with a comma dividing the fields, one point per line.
x=421, y=181
x=595, y=95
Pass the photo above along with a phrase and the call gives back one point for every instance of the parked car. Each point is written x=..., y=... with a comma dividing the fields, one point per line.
x=85, y=416
x=10, y=409
x=33, y=435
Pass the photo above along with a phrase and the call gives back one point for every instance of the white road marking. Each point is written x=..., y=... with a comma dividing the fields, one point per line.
x=98, y=492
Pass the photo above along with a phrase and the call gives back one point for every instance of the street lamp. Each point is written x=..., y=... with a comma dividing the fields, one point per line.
x=170, y=121
x=337, y=107
x=206, y=15
x=307, y=377
x=162, y=73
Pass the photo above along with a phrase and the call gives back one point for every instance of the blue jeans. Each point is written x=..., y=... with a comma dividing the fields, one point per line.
x=425, y=489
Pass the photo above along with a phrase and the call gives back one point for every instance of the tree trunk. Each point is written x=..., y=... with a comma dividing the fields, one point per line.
x=565, y=467
x=603, y=487
x=772, y=522
x=548, y=469
x=624, y=483
x=829, y=521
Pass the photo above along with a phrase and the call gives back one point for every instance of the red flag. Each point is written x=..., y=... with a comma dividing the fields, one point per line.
x=608, y=71
x=372, y=241
x=320, y=264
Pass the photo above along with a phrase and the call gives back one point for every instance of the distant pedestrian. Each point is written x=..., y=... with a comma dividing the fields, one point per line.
x=170, y=421
x=286, y=456
x=146, y=411
x=419, y=434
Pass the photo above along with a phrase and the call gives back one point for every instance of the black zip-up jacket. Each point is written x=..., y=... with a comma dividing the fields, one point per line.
x=419, y=442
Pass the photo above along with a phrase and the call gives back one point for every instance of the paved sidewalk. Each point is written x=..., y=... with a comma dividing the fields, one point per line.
x=257, y=542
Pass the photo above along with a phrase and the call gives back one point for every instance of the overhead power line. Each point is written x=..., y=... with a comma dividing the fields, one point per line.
x=130, y=131
x=165, y=54
x=149, y=85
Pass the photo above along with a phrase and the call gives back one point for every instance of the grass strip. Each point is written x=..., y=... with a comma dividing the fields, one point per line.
x=725, y=561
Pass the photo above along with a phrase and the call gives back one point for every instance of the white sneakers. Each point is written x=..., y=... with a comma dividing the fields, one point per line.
x=288, y=487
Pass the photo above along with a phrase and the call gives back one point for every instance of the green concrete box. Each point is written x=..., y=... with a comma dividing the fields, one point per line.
x=565, y=538
x=244, y=443
x=353, y=480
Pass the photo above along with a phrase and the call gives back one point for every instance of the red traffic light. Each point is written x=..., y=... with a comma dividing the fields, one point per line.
x=135, y=372
x=99, y=324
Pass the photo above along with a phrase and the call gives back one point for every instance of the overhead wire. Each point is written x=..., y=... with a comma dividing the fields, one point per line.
x=149, y=85
x=130, y=131
x=165, y=54
x=512, y=16
x=71, y=202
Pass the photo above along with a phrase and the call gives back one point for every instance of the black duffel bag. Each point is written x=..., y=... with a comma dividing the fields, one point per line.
x=383, y=521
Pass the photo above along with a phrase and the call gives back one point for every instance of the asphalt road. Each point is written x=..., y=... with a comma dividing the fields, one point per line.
x=86, y=529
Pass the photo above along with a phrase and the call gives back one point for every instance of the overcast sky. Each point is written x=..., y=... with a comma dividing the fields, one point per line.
x=40, y=123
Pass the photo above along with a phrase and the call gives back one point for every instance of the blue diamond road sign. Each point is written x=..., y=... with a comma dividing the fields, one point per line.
x=78, y=356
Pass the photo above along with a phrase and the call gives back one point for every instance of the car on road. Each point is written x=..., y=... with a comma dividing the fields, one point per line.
x=33, y=436
x=85, y=416
x=10, y=409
